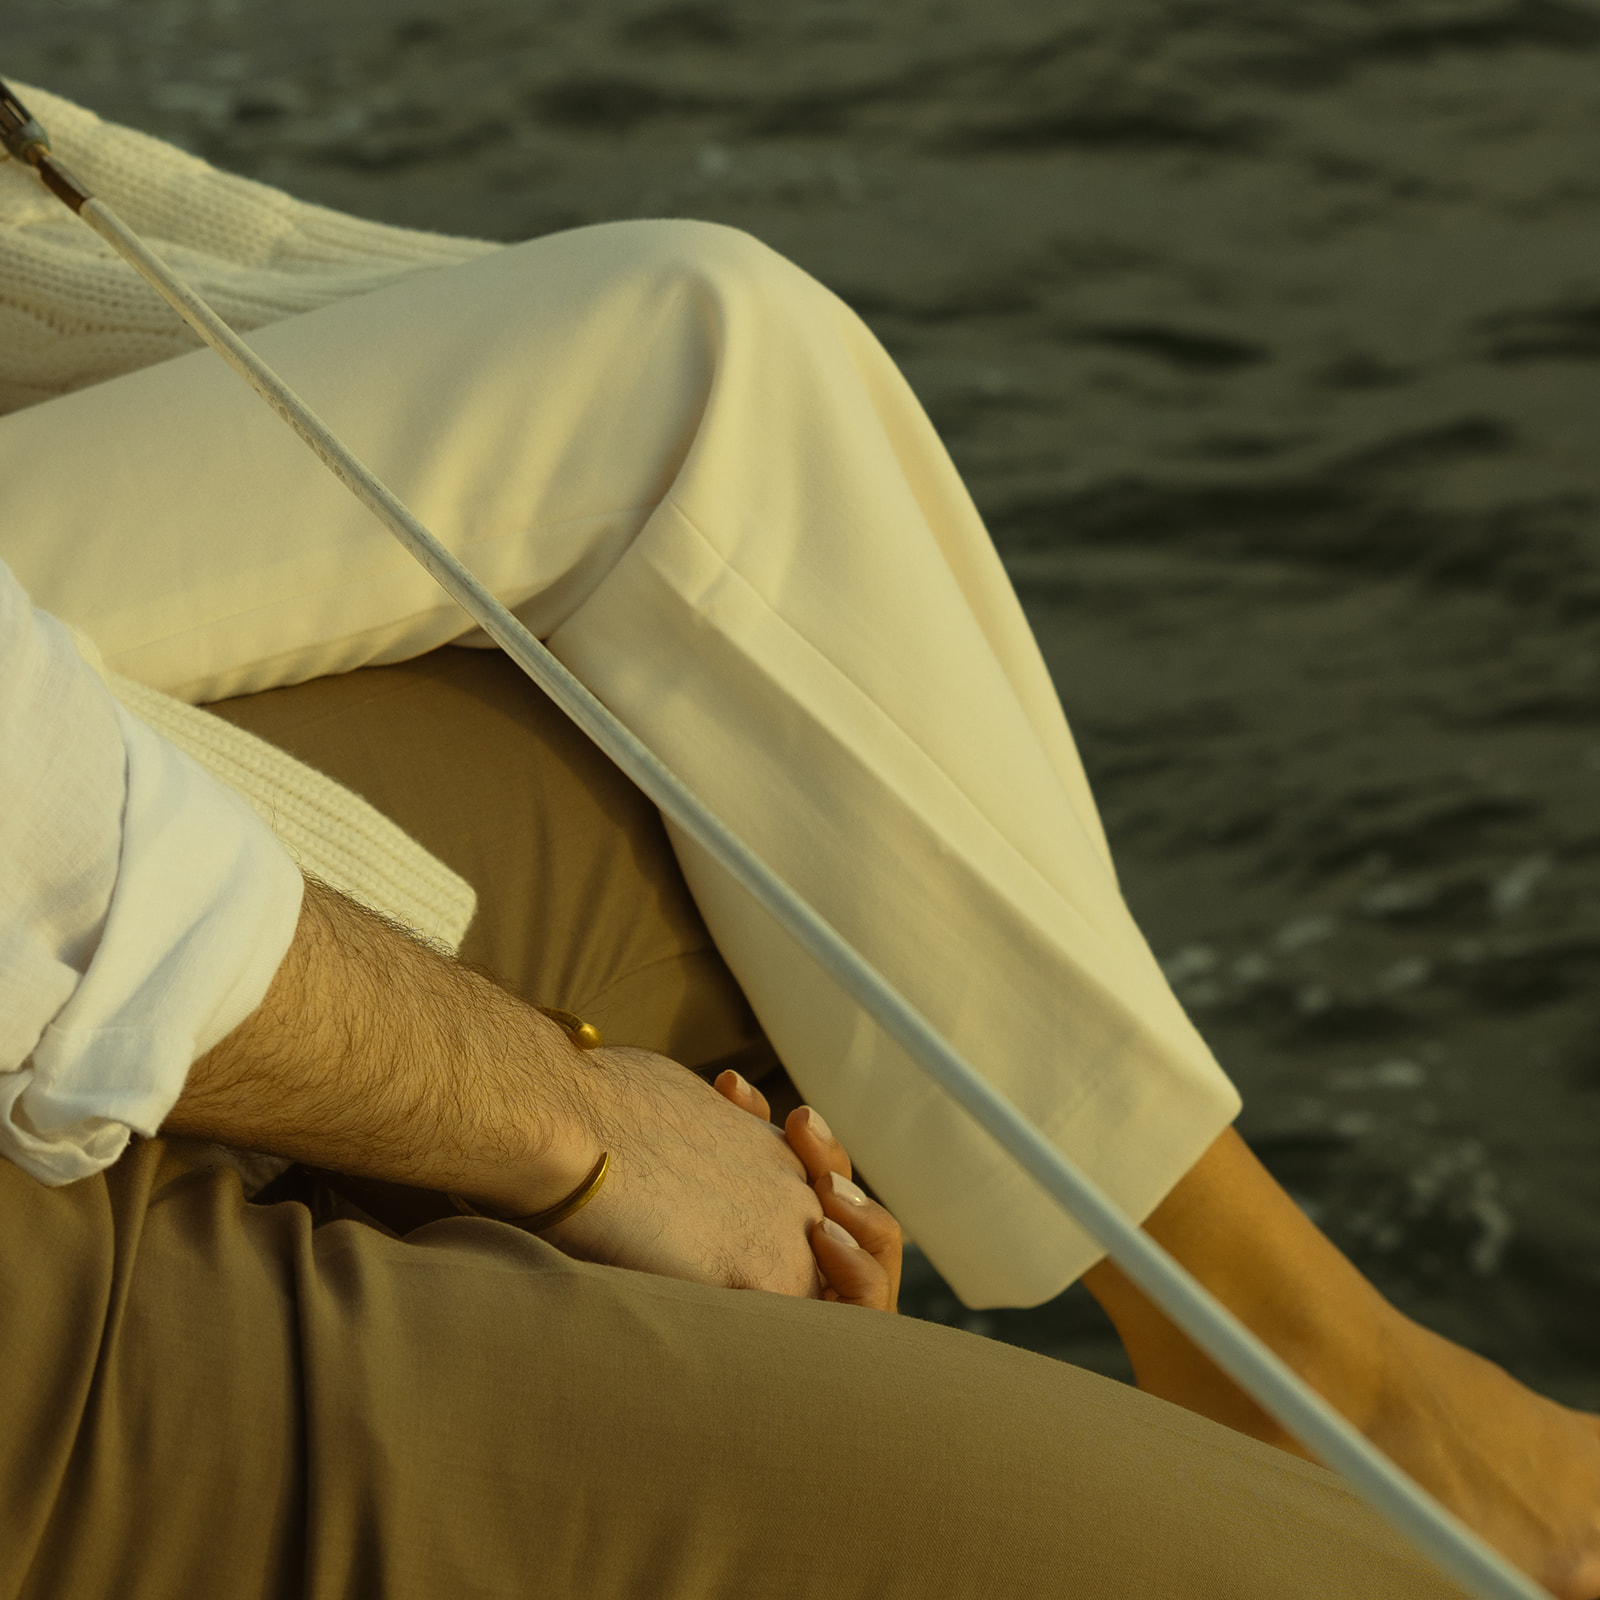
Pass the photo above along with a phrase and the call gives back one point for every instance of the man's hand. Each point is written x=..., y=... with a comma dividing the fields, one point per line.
x=697, y=1187
x=375, y=1056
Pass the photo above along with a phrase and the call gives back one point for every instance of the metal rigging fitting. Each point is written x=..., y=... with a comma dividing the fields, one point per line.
x=23, y=138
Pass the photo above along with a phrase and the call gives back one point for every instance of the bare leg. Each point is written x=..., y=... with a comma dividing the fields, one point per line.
x=1522, y=1470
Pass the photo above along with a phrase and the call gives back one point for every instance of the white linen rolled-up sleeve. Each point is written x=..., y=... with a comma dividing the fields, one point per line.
x=144, y=908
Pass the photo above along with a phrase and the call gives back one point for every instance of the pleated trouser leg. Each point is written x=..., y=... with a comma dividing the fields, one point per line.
x=693, y=472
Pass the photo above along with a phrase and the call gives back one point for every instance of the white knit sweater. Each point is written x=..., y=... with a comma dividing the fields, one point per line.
x=73, y=313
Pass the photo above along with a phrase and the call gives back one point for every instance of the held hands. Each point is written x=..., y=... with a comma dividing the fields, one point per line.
x=702, y=1186
x=862, y=1264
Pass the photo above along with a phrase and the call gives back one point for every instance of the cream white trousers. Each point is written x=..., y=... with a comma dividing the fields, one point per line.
x=693, y=472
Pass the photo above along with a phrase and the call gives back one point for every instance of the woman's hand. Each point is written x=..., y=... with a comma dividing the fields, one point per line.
x=863, y=1268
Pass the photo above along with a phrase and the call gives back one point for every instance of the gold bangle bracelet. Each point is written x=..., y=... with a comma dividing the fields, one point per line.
x=548, y=1218
x=587, y=1037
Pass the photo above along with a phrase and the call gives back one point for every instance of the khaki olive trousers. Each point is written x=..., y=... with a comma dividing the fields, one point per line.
x=314, y=1397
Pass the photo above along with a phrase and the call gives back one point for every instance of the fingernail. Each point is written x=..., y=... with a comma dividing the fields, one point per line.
x=739, y=1083
x=835, y=1232
x=846, y=1190
x=816, y=1124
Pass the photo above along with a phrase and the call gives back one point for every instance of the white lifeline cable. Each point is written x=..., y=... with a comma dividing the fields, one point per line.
x=1460, y=1552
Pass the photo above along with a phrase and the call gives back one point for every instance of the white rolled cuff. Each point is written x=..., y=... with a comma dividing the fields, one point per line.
x=204, y=910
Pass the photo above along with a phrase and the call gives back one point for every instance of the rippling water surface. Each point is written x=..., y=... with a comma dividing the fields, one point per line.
x=1268, y=339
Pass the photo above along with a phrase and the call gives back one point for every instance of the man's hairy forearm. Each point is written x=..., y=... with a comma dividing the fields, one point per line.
x=374, y=1055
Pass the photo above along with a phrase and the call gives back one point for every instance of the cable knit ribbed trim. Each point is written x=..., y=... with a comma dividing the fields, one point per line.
x=332, y=832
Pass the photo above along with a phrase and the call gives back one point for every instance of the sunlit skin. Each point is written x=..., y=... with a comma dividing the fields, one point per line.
x=1520, y=1469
